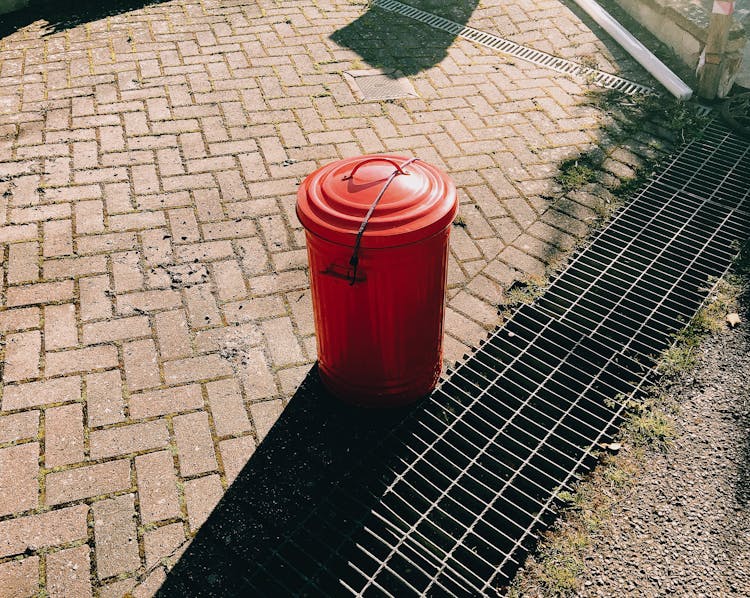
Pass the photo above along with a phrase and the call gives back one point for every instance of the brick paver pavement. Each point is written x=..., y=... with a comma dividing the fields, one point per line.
x=154, y=304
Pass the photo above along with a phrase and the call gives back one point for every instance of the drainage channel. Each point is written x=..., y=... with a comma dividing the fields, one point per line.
x=453, y=499
x=494, y=42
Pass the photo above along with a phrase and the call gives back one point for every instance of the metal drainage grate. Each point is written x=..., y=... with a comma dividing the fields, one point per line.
x=454, y=498
x=378, y=85
x=600, y=78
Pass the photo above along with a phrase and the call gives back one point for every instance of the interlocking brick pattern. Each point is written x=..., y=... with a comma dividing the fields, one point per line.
x=155, y=312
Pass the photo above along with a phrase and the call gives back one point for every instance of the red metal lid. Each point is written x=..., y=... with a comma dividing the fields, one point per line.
x=331, y=203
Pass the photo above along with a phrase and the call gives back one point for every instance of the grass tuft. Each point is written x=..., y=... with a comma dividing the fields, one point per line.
x=650, y=426
x=525, y=290
x=578, y=172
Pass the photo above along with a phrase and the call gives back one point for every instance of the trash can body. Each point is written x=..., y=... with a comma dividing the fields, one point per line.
x=379, y=320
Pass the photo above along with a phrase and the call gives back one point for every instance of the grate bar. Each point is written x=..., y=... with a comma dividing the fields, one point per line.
x=503, y=428
x=508, y=482
x=506, y=451
x=593, y=417
x=628, y=246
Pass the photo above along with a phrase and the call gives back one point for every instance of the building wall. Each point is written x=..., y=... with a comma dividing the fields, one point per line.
x=683, y=26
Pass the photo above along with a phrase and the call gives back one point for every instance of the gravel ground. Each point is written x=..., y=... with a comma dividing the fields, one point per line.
x=651, y=522
x=683, y=528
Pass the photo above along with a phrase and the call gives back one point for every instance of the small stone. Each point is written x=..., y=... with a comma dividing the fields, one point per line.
x=733, y=319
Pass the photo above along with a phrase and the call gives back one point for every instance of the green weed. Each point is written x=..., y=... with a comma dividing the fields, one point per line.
x=525, y=291
x=577, y=172
x=681, y=356
x=650, y=427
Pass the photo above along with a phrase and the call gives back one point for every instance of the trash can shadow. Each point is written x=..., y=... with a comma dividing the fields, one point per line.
x=317, y=446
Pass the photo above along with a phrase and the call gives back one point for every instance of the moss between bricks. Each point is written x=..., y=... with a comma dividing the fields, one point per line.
x=640, y=131
x=671, y=120
x=577, y=172
x=628, y=115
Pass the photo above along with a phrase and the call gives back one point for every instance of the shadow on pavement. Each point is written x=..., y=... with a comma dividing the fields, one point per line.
x=389, y=41
x=66, y=14
x=316, y=446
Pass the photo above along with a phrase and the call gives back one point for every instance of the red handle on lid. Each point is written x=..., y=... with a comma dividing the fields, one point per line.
x=354, y=261
x=376, y=159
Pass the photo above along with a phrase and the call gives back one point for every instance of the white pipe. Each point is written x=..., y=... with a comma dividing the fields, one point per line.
x=637, y=50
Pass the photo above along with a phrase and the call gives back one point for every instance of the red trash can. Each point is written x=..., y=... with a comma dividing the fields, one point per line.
x=377, y=232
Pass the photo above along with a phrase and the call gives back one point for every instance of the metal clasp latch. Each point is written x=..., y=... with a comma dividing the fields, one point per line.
x=345, y=273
